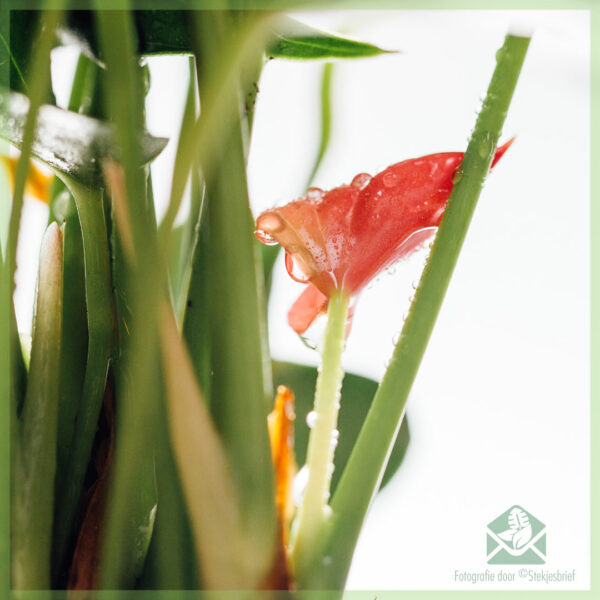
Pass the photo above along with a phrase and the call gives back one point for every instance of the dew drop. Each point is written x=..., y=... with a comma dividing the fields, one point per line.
x=264, y=238
x=415, y=284
x=457, y=176
x=361, y=181
x=484, y=147
x=294, y=270
x=396, y=338
x=311, y=419
x=333, y=442
x=335, y=434
x=314, y=195
x=390, y=179
x=299, y=485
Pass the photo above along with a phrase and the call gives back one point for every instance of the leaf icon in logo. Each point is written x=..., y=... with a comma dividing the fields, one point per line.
x=522, y=537
x=520, y=528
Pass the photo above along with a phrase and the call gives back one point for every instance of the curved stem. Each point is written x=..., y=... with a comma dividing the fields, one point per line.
x=100, y=326
x=314, y=509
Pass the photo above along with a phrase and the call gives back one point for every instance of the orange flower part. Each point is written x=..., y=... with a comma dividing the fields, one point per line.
x=37, y=184
x=281, y=434
x=341, y=239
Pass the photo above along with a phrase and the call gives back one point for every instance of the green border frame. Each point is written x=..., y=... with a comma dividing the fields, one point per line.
x=593, y=6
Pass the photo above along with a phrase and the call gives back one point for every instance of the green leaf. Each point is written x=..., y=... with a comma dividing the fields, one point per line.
x=294, y=40
x=357, y=395
x=70, y=143
x=36, y=446
x=74, y=328
x=100, y=325
x=204, y=470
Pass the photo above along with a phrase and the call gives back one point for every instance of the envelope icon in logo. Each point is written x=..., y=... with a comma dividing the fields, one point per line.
x=516, y=537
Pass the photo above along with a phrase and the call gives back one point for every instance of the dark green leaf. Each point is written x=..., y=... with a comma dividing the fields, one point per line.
x=357, y=394
x=294, y=40
x=69, y=142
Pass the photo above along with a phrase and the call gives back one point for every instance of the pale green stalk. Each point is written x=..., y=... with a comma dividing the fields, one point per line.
x=314, y=509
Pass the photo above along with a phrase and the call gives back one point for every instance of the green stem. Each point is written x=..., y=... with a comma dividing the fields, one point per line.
x=362, y=475
x=319, y=460
x=100, y=326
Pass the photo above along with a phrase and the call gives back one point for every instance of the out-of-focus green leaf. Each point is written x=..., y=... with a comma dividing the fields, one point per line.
x=224, y=561
x=294, y=40
x=71, y=143
x=140, y=283
x=40, y=80
x=357, y=394
x=35, y=465
x=27, y=30
x=171, y=563
x=7, y=417
x=241, y=392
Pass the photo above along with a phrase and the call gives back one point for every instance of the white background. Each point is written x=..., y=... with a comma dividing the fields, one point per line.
x=499, y=413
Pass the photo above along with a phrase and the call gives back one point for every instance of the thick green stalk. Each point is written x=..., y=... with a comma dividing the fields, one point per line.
x=313, y=512
x=36, y=446
x=365, y=466
x=240, y=382
x=100, y=322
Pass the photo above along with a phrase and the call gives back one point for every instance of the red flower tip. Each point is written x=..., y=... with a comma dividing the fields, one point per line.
x=343, y=238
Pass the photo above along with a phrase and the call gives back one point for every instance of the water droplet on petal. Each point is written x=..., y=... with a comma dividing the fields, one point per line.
x=265, y=238
x=311, y=419
x=314, y=195
x=390, y=179
x=361, y=181
x=270, y=222
x=294, y=271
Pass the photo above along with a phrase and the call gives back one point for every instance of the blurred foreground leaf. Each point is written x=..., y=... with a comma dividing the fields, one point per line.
x=69, y=142
x=357, y=394
x=205, y=474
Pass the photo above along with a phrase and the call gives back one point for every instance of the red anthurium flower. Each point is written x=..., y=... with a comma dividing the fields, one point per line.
x=343, y=238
